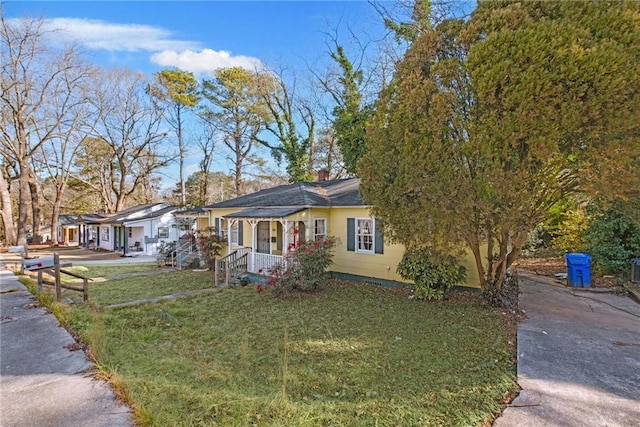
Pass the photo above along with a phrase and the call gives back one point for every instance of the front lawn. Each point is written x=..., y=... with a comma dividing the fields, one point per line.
x=107, y=270
x=353, y=355
x=116, y=291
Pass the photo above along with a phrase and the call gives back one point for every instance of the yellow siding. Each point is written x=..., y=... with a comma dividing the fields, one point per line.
x=202, y=224
x=380, y=266
x=473, y=279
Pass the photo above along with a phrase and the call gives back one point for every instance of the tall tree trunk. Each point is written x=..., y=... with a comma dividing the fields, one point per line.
x=183, y=186
x=24, y=202
x=205, y=189
x=55, y=214
x=36, y=212
x=238, y=178
x=7, y=212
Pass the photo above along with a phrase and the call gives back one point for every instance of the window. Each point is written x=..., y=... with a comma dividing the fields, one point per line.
x=105, y=234
x=234, y=233
x=163, y=232
x=320, y=229
x=364, y=235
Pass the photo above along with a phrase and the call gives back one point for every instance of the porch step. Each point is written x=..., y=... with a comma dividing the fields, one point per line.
x=185, y=260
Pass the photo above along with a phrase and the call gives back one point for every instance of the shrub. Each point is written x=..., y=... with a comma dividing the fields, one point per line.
x=571, y=231
x=612, y=239
x=304, y=268
x=210, y=248
x=433, y=274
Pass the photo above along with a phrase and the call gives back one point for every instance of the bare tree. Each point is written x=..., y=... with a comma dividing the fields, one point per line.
x=126, y=141
x=37, y=95
x=288, y=112
x=60, y=152
x=206, y=142
x=7, y=208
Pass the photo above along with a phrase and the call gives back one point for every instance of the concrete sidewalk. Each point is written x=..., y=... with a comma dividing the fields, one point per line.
x=578, y=358
x=42, y=382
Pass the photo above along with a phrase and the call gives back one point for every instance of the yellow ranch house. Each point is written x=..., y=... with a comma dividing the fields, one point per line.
x=267, y=224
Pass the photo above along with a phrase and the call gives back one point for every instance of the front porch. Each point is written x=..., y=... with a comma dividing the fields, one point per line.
x=273, y=233
x=242, y=261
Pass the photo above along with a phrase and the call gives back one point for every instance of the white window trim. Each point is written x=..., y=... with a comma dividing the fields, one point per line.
x=324, y=235
x=373, y=236
x=105, y=234
x=234, y=233
x=167, y=233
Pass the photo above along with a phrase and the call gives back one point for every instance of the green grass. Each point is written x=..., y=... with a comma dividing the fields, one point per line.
x=107, y=270
x=353, y=355
x=140, y=287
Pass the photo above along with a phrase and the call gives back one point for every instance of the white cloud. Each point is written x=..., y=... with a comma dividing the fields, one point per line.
x=205, y=61
x=165, y=51
x=101, y=35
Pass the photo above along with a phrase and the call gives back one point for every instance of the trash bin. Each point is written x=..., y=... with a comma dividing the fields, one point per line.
x=635, y=270
x=578, y=270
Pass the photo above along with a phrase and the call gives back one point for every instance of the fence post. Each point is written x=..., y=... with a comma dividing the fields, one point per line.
x=56, y=264
x=85, y=289
x=215, y=272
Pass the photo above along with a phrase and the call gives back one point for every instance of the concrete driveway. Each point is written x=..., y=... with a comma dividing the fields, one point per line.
x=44, y=379
x=578, y=358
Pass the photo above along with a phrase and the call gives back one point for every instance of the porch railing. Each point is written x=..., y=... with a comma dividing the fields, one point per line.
x=242, y=261
x=263, y=263
x=231, y=266
x=183, y=252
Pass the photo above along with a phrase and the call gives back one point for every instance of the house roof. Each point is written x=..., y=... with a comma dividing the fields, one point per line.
x=67, y=220
x=153, y=214
x=264, y=212
x=337, y=192
x=135, y=213
x=90, y=218
x=189, y=213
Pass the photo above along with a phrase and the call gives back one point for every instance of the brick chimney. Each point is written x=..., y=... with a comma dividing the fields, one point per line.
x=323, y=175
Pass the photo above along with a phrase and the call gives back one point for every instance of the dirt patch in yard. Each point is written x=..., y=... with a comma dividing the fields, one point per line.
x=543, y=266
x=550, y=266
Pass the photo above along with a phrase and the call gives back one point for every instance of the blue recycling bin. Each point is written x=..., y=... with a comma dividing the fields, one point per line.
x=635, y=270
x=578, y=270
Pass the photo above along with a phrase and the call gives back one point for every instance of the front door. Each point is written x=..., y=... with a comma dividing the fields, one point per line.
x=264, y=243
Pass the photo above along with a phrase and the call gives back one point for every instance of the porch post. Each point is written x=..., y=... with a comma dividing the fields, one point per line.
x=254, y=245
x=229, y=223
x=285, y=239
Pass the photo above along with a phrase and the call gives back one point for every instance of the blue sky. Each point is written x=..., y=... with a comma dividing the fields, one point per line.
x=200, y=36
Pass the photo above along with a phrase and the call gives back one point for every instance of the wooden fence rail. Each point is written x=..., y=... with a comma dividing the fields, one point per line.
x=55, y=270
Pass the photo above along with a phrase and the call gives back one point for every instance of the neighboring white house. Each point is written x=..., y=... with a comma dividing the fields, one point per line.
x=68, y=231
x=137, y=230
x=146, y=233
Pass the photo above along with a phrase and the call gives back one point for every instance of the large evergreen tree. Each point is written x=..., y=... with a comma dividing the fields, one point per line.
x=489, y=122
x=234, y=106
x=176, y=92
